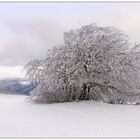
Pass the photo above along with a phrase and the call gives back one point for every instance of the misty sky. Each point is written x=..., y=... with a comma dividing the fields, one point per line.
x=27, y=30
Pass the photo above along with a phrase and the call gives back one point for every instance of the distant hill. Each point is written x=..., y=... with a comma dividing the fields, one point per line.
x=16, y=86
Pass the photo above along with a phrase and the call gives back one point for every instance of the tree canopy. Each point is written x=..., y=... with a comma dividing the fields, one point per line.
x=95, y=63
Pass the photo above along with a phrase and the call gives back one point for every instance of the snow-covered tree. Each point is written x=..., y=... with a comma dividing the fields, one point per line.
x=95, y=63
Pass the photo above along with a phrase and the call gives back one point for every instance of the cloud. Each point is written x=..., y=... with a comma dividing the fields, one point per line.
x=8, y=72
x=27, y=36
x=29, y=40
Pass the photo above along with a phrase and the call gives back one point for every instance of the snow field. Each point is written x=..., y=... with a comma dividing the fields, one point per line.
x=19, y=118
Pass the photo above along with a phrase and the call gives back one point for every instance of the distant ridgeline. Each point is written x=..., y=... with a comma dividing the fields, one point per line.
x=16, y=86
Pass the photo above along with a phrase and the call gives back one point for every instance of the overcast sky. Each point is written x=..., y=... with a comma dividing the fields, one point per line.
x=27, y=30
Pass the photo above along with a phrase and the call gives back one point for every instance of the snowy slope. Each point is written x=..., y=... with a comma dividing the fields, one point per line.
x=78, y=119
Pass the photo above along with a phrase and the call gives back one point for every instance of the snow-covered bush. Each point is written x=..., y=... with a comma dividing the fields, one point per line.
x=95, y=63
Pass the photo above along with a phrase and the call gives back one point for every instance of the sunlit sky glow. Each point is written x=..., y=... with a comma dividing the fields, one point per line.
x=27, y=30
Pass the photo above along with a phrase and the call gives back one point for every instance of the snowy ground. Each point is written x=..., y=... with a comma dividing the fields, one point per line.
x=80, y=119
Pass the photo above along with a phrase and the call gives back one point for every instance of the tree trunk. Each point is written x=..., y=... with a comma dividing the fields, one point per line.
x=84, y=93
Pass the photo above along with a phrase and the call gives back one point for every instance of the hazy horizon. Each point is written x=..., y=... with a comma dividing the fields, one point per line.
x=29, y=29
